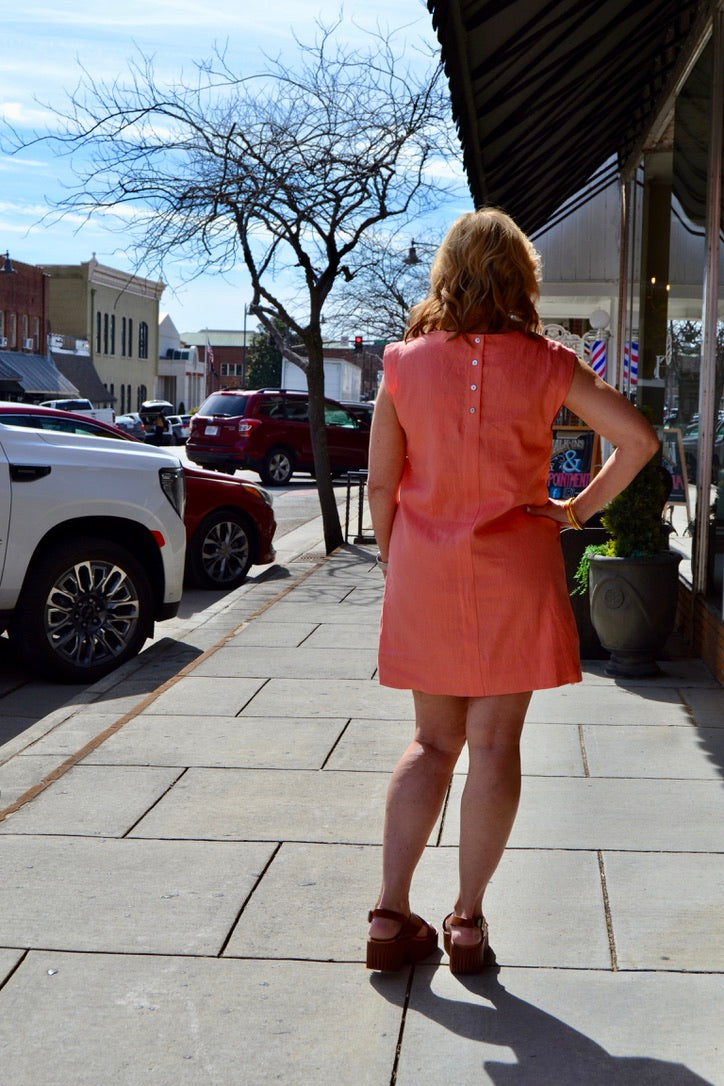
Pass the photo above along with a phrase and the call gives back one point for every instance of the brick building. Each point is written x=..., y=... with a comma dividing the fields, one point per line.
x=27, y=371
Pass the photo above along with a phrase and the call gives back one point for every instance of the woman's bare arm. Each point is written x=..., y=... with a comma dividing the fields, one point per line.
x=386, y=464
x=610, y=414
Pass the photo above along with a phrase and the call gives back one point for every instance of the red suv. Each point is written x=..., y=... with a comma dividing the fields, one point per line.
x=267, y=430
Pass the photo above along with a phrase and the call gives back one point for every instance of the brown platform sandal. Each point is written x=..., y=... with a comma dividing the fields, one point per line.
x=465, y=959
x=406, y=947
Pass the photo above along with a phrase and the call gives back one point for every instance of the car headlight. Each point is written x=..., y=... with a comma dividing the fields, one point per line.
x=260, y=492
x=173, y=484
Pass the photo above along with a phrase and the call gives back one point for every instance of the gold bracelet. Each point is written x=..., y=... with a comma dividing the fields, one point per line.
x=571, y=515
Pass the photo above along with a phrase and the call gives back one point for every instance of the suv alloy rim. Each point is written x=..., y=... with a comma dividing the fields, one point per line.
x=91, y=613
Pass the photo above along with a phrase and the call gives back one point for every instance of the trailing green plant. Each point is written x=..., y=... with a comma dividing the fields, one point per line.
x=633, y=520
x=581, y=574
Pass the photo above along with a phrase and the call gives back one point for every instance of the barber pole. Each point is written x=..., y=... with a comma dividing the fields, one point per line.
x=598, y=358
x=630, y=363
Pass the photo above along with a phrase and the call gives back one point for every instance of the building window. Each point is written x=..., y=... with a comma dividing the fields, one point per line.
x=36, y=332
x=113, y=333
x=130, y=340
x=143, y=340
x=105, y=333
x=13, y=331
x=98, y=332
x=123, y=337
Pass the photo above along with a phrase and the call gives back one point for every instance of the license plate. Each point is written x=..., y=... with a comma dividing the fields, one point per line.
x=211, y=430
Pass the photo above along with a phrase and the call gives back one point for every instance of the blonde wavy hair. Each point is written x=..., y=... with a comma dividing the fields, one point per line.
x=484, y=278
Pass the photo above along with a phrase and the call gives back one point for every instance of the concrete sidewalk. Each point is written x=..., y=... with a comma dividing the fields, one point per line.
x=185, y=901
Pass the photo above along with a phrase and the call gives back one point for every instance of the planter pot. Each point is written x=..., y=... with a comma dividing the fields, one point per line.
x=573, y=544
x=633, y=609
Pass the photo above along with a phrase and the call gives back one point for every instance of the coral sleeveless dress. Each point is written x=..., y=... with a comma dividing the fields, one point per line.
x=475, y=599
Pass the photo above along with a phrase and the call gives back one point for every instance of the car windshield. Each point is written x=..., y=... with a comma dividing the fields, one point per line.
x=224, y=405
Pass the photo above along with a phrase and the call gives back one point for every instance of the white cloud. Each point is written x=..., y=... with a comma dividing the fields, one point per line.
x=44, y=42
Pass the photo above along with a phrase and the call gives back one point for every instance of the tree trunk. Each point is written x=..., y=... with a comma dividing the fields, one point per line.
x=322, y=470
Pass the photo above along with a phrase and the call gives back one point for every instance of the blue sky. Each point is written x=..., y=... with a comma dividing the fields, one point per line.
x=43, y=46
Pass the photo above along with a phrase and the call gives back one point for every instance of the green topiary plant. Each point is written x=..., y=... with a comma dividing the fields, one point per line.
x=633, y=520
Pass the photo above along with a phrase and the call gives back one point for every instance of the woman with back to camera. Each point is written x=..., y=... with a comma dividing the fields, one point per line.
x=475, y=613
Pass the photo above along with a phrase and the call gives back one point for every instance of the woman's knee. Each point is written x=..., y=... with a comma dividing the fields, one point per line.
x=440, y=723
x=494, y=724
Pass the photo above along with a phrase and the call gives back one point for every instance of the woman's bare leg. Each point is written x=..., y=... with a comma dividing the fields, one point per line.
x=490, y=798
x=414, y=798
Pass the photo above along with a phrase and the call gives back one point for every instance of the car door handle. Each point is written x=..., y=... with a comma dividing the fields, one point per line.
x=28, y=473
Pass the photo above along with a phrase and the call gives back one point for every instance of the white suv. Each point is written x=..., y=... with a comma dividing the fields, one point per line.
x=92, y=546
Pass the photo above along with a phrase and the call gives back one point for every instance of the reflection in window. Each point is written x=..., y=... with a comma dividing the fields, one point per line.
x=337, y=416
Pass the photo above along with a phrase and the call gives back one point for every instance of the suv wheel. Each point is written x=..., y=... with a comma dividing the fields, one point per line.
x=85, y=609
x=277, y=467
x=220, y=553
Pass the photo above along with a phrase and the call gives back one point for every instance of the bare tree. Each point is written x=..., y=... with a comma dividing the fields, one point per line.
x=289, y=168
x=388, y=278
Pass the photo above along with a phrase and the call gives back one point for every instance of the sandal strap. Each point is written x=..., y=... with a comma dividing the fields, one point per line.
x=387, y=914
x=409, y=925
x=465, y=921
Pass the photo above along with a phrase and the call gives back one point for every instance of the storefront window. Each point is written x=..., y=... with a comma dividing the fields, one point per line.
x=686, y=356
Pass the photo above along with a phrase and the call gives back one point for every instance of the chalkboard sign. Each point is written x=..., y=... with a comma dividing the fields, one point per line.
x=572, y=460
x=673, y=459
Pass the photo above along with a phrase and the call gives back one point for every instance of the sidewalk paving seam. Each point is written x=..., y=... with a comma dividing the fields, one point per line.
x=233, y=926
x=164, y=793
x=584, y=755
x=403, y=1021
x=607, y=911
x=349, y=963
x=335, y=744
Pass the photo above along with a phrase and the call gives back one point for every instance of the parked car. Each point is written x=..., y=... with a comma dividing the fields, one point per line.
x=180, y=425
x=229, y=522
x=132, y=424
x=86, y=568
x=267, y=430
x=82, y=406
x=155, y=415
x=690, y=443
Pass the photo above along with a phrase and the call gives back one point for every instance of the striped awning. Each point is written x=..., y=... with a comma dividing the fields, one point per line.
x=545, y=92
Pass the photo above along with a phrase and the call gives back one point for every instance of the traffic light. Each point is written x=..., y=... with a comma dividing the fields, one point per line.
x=358, y=343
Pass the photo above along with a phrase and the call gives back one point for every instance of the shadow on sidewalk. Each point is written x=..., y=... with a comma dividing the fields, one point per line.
x=706, y=722
x=547, y=1050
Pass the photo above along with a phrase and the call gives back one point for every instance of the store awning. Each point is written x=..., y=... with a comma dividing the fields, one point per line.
x=544, y=92
x=82, y=374
x=32, y=375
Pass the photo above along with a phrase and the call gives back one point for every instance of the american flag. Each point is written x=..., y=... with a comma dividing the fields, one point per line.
x=598, y=358
x=630, y=363
x=210, y=359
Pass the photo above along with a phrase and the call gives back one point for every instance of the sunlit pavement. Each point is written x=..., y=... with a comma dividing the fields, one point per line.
x=185, y=901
